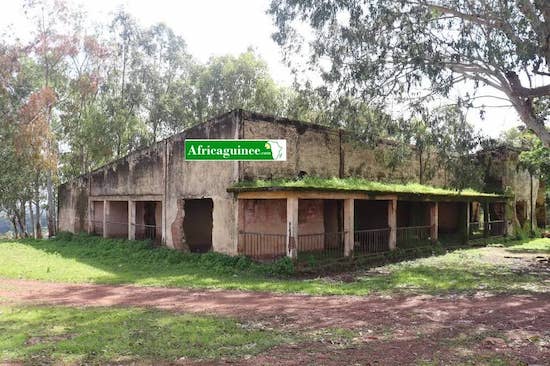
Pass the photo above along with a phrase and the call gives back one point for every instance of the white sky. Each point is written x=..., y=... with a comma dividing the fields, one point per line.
x=217, y=27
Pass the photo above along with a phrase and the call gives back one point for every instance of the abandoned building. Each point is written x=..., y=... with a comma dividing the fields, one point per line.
x=198, y=206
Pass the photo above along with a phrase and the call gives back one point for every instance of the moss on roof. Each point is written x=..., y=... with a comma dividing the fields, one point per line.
x=355, y=184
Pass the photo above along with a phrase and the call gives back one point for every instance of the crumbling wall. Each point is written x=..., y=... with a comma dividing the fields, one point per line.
x=139, y=173
x=312, y=150
x=319, y=151
x=202, y=179
x=73, y=205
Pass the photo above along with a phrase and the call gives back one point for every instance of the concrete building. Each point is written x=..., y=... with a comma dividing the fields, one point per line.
x=199, y=205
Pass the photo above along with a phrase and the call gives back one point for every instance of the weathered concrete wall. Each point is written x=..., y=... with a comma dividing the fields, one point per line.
x=264, y=216
x=140, y=173
x=503, y=172
x=311, y=150
x=202, y=179
x=320, y=151
x=73, y=206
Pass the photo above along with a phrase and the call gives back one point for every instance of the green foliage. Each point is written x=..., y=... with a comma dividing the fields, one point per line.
x=63, y=335
x=537, y=160
x=419, y=51
x=143, y=252
x=359, y=184
x=524, y=232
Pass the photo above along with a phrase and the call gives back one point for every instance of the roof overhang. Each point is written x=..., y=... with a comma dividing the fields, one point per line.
x=277, y=192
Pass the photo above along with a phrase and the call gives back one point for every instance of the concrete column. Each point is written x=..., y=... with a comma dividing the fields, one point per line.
x=106, y=215
x=434, y=221
x=392, y=223
x=163, y=221
x=349, y=229
x=131, y=220
x=486, y=219
x=465, y=222
x=240, y=226
x=292, y=227
x=91, y=215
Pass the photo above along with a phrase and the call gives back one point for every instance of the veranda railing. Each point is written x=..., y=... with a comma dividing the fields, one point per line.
x=262, y=246
x=371, y=241
x=413, y=235
x=322, y=244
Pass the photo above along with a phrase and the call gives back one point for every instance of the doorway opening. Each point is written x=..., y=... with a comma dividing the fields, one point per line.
x=197, y=224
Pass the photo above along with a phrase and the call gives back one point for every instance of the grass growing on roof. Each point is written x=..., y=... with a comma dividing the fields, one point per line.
x=359, y=184
x=86, y=259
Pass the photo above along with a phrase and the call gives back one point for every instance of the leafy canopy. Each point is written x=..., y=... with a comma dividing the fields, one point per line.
x=377, y=48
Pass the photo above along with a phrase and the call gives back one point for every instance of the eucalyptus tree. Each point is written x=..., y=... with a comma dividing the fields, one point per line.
x=167, y=71
x=50, y=49
x=243, y=81
x=379, y=49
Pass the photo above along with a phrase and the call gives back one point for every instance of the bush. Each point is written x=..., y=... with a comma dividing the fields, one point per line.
x=64, y=236
x=142, y=252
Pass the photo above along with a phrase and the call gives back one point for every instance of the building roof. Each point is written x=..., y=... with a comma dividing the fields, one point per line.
x=412, y=191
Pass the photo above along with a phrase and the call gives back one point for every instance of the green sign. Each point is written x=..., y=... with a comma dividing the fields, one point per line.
x=251, y=150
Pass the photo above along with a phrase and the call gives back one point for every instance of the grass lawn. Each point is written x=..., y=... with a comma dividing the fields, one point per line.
x=96, y=260
x=60, y=335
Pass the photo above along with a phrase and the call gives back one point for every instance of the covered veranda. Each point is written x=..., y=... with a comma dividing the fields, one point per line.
x=131, y=217
x=299, y=222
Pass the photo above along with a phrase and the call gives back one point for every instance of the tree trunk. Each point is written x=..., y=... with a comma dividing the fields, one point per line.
x=21, y=221
x=533, y=124
x=38, y=214
x=31, y=216
x=38, y=218
x=15, y=231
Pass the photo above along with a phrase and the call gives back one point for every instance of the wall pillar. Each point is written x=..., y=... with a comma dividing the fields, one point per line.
x=240, y=226
x=392, y=223
x=106, y=214
x=465, y=224
x=434, y=221
x=349, y=230
x=91, y=215
x=292, y=227
x=131, y=220
x=486, y=219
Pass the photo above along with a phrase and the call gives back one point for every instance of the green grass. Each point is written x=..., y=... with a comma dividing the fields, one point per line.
x=359, y=184
x=96, y=260
x=55, y=335
x=541, y=246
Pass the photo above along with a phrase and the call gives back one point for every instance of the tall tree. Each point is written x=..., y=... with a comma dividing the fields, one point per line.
x=230, y=82
x=53, y=43
x=379, y=48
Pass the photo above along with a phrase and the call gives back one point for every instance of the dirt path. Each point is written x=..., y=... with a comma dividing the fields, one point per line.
x=410, y=326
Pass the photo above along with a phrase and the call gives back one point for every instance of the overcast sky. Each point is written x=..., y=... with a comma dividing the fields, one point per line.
x=217, y=27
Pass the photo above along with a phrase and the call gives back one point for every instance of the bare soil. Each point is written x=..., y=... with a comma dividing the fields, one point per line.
x=388, y=330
